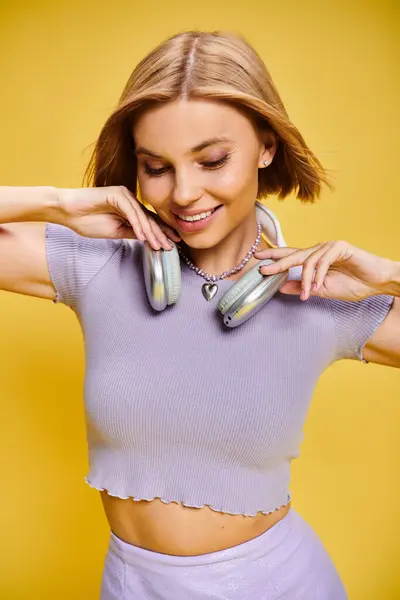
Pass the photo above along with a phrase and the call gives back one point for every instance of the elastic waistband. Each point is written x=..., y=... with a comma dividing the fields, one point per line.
x=260, y=546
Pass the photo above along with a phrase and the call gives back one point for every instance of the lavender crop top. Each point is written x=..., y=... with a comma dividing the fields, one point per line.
x=177, y=405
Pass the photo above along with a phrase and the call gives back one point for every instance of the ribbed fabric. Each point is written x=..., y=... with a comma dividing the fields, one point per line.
x=182, y=408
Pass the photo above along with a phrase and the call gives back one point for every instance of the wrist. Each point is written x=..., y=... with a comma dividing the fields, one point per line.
x=391, y=285
x=50, y=206
x=62, y=210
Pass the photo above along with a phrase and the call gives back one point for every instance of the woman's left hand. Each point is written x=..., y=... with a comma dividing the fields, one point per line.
x=338, y=269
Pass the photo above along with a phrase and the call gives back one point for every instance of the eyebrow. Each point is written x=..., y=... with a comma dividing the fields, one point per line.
x=198, y=148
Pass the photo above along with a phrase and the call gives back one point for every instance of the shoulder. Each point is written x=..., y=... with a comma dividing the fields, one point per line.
x=74, y=260
x=63, y=241
x=355, y=322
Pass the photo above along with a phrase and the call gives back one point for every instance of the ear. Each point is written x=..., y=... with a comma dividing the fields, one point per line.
x=268, y=149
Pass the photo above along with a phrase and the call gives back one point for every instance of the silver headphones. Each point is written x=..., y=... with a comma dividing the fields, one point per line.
x=162, y=275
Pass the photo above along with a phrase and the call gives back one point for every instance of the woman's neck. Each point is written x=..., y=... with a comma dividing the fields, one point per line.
x=229, y=252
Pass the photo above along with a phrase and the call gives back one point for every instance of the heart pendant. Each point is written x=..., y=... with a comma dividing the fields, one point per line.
x=209, y=290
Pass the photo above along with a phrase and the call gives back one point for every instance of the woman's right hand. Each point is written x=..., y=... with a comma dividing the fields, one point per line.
x=113, y=212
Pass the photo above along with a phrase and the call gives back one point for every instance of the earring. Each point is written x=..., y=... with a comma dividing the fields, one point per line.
x=266, y=163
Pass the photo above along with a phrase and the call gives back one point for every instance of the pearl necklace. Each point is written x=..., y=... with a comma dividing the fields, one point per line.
x=210, y=289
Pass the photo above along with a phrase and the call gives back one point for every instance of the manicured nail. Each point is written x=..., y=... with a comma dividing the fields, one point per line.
x=314, y=287
x=265, y=270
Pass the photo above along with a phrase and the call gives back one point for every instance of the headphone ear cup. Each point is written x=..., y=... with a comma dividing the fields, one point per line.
x=240, y=287
x=172, y=275
x=250, y=294
x=162, y=276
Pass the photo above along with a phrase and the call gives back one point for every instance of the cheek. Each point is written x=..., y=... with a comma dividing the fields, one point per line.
x=239, y=180
x=234, y=181
x=155, y=190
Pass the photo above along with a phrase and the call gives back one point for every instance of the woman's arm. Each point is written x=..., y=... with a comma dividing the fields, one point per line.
x=383, y=347
x=341, y=271
x=107, y=212
x=23, y=264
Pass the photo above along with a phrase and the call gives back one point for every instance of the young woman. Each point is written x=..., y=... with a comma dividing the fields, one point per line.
x=191, y=424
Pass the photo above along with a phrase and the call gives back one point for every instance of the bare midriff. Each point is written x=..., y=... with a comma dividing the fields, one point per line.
x=179, y=530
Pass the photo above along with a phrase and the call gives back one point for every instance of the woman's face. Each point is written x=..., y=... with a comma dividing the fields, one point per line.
x=199, y=156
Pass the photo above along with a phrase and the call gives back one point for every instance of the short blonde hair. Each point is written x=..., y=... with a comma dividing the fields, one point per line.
x=218, y=66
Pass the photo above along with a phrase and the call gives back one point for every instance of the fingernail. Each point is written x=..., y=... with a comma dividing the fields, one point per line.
x=303, y=295
x=263, y=269
x=314, y=287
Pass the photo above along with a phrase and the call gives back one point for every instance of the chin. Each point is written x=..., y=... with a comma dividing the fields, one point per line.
x=201, y=242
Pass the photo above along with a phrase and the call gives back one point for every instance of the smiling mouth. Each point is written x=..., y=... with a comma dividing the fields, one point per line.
x=198, y=217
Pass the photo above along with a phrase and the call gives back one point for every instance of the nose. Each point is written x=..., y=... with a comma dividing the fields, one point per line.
x=186, y=188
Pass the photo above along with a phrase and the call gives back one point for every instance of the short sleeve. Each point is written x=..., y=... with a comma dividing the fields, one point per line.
x=355, y=322
x=73, y=261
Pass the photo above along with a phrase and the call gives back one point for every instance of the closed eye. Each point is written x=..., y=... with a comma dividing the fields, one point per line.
x=216, y=164
x=210, y=165
x=154, y=172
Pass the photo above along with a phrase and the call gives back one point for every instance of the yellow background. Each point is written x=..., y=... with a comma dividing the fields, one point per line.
x=63, y=65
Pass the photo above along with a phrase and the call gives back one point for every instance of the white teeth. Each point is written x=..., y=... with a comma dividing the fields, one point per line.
x=202, y=215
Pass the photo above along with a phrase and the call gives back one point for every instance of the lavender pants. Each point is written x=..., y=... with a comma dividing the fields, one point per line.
x=287, y=562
